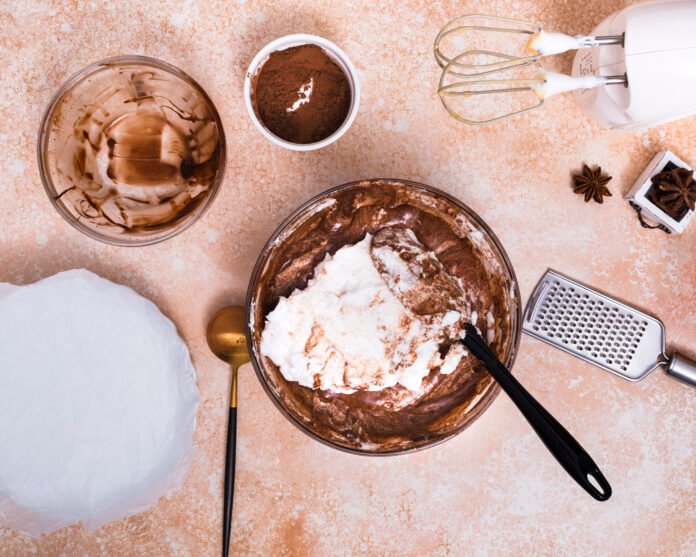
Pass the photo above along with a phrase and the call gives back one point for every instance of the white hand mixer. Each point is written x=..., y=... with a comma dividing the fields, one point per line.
x=648, y=48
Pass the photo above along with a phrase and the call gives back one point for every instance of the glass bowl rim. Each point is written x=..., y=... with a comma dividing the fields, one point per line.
x=45, y=133
x=480, y=406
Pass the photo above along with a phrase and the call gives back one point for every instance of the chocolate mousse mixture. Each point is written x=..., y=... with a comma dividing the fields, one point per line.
x=301, y=95
x=395, y=418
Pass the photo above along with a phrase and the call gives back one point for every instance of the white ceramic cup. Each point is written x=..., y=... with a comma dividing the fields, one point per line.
x=336, y=54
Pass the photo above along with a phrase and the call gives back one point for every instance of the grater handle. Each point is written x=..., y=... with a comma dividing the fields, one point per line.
x=682, y=368
x=561, y=444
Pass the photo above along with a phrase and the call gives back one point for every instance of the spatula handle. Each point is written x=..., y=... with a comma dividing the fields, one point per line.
x=558, y=441
x=682, y=368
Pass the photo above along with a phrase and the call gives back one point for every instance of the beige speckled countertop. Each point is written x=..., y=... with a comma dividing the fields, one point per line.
x=492, y=490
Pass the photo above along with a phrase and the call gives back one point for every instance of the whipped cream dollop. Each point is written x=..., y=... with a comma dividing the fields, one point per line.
x=346, y=331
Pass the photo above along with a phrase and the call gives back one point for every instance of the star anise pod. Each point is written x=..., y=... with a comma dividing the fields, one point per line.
x=592, y=184
x=676, y=190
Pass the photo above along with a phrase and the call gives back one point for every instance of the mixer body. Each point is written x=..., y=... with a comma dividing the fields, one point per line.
x=659, y=59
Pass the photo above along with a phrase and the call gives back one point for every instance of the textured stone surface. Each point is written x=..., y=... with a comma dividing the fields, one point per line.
x=492, y=490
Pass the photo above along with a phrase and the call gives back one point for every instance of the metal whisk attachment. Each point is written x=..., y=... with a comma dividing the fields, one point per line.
x=473, y=57
x=478, y=100
x=485, y=43
x=500, y=94
x=495, y=73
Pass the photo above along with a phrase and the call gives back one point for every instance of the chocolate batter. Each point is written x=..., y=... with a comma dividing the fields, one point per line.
x=393, y=419
x=301, y=95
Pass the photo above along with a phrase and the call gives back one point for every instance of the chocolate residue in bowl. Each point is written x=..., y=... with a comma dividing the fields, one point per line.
x=394, y=419
x=301, y=94
x=133, y=148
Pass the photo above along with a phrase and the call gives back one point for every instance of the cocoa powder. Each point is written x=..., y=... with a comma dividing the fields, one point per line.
x=301, y=95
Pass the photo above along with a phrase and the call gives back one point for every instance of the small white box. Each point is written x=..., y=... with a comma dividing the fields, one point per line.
x=645, y=207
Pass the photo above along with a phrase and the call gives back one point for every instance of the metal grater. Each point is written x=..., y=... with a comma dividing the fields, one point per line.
x=601, y=330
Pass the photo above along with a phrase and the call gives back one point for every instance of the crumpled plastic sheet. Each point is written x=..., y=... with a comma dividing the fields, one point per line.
x=98, y=403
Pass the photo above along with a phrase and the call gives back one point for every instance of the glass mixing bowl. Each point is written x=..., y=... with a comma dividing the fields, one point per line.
x=131, y=151
x=295, y=228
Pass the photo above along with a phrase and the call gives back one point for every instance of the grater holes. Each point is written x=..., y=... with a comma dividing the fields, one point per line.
x=591, y=326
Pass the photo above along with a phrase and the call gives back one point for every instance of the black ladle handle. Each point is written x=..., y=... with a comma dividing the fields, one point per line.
x=558, y=441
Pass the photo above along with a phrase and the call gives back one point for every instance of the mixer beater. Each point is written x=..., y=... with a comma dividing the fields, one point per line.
x=474, y=81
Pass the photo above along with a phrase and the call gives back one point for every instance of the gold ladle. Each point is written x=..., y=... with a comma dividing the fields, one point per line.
x=226, y=339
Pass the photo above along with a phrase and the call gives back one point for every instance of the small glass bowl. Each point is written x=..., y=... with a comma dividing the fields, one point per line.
x=76, y=100
x=309, y=212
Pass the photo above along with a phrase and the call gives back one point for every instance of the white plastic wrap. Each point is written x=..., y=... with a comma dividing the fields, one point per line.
x=98, y=403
